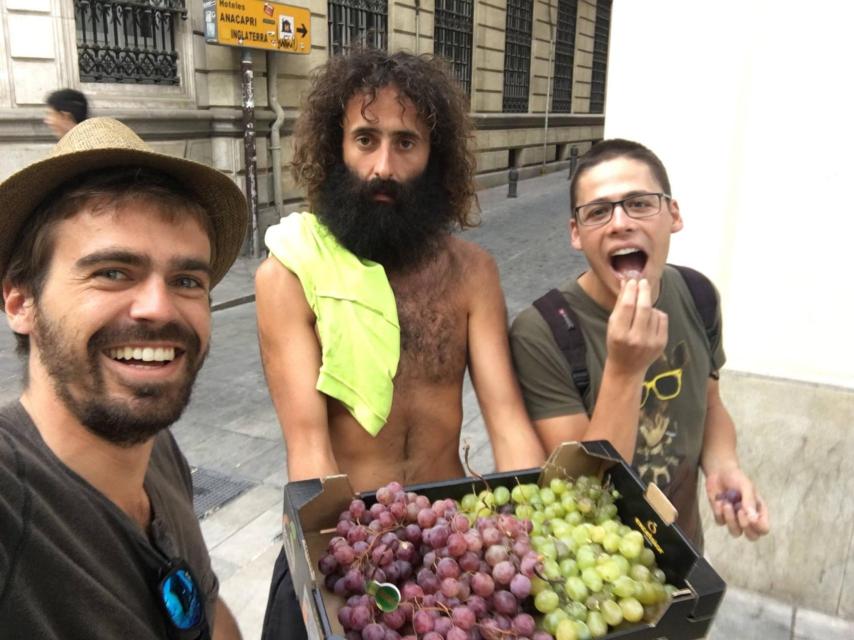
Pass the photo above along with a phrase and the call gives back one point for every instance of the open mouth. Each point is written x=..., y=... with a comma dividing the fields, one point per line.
x=628, y=263
x=143, y=356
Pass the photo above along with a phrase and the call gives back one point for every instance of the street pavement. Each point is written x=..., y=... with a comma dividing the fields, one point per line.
x=231, y=437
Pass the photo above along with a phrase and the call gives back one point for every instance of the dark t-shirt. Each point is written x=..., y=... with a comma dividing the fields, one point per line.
x=72, y=564
x=672, y=420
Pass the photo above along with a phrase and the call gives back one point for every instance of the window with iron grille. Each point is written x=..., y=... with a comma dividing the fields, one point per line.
x=564, y=55
x=517, y=56
x=357, y=23
x=452, y=37
x=600, y=56
x=132, y=41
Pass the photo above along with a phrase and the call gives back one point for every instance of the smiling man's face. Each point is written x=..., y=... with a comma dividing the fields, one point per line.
x=624, y=247
x=122, y=324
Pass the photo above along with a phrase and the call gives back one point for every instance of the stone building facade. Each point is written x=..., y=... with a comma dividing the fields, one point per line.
x=147, y=63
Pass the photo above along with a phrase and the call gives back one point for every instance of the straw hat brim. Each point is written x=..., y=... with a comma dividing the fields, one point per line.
x=22, y=192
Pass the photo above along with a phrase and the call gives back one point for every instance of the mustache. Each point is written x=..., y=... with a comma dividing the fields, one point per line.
x=380, y=186
x=105, y=337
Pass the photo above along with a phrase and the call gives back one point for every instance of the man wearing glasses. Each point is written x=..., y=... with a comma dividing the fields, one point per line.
x=108, y=253
x=641, y=366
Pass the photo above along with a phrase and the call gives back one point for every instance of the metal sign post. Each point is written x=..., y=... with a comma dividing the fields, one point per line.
x=249, y=151
x=255, y=24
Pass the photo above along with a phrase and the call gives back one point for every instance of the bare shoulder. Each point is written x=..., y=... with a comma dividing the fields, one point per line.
x=273, y=276
x=477, y=263
x=278, y=288
x=270, y=272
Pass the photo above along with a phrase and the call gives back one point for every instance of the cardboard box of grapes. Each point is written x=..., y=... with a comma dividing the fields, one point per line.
x=313, y=510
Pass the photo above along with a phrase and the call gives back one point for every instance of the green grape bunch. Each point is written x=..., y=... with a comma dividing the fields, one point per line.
x=594, y=572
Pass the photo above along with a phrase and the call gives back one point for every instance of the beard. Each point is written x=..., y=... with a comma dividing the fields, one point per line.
x=399, y=235
x=81, y=387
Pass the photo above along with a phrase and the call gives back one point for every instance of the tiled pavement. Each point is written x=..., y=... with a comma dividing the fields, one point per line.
x=230, y=428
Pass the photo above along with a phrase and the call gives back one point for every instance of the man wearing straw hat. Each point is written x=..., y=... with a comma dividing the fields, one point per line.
x=108, y=253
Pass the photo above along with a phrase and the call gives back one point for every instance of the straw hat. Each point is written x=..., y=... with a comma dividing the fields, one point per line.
x=106, y=143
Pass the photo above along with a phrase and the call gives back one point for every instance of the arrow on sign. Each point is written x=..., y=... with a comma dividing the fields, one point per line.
x=302, y=30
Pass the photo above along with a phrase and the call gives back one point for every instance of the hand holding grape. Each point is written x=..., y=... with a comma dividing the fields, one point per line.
x=736, y=503
x=637, y=332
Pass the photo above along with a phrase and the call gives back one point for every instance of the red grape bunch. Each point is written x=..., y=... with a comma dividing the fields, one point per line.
x=461, y=577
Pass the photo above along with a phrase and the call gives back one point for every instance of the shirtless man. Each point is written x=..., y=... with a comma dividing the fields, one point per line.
x=381, y=147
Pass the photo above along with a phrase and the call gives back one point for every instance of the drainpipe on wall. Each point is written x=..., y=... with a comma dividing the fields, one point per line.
x=552, y=30
x=417, y=26
x=275, y=142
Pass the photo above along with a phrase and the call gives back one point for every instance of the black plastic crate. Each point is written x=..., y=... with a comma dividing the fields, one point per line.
x=312, y=508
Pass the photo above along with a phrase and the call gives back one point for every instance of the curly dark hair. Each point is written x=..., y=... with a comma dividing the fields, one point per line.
x=424, y=79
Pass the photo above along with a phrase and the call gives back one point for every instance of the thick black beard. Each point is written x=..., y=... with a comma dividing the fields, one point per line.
x=399, y=235
x=120, y=422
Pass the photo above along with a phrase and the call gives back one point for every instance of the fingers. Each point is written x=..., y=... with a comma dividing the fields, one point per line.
x=751, y=517
x=624, y=310
x=661, y=327
x=714, y=487
x=642, y=321
x=637, y=332
x=748, y=501
x=634, y=311
x=731, y=520
x=761, y=525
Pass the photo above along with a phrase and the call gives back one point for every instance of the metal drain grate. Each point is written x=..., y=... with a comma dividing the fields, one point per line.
x=212, y=490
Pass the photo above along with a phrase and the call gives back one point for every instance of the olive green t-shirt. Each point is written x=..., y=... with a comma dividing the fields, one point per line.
x=670, y=432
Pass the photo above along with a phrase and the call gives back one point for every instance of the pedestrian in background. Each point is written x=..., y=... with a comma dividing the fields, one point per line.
x=65, y=109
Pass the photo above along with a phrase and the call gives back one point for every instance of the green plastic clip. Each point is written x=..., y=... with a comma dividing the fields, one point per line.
x=386, y=595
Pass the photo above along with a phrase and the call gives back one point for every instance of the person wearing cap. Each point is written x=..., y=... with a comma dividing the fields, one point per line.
x=108, y=253
x=65, y=109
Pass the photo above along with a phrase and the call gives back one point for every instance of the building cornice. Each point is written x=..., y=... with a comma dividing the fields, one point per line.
x=21, y=126
x=489, y=121
x=25, y=125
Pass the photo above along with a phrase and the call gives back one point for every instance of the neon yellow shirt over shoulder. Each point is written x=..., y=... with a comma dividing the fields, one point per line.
x=356, y=314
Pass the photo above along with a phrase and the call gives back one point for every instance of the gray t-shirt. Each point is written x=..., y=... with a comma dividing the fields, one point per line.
x=72, y=564
x=672, y=420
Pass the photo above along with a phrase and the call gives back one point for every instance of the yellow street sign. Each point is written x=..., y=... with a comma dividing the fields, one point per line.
x=258, y=24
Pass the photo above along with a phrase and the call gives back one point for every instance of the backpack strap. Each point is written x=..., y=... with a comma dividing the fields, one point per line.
x=564, y=324
x=703, y=292
x=565, y=328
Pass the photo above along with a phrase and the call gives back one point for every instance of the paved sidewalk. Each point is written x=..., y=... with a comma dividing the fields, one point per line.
x=230, y=434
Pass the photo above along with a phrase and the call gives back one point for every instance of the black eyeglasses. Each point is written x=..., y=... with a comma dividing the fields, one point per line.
x=639, y=205
x=182, y=602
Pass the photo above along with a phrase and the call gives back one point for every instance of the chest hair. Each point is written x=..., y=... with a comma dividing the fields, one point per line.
x=432, y=319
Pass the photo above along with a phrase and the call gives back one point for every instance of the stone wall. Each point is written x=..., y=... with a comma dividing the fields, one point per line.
x=201, y=118
x=796, y=440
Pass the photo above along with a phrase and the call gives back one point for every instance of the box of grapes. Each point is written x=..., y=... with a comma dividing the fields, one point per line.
x=578, y=549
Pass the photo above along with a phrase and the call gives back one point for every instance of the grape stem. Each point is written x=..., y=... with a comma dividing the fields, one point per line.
x=466, y=449
x=498, y=630
x=546, y=579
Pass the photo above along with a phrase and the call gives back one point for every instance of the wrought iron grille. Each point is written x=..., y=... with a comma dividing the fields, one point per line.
x=600, y=56
x=517, y=55
x=452, y=37
x=128, y=40
x=567, y=11
x=357, y=23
